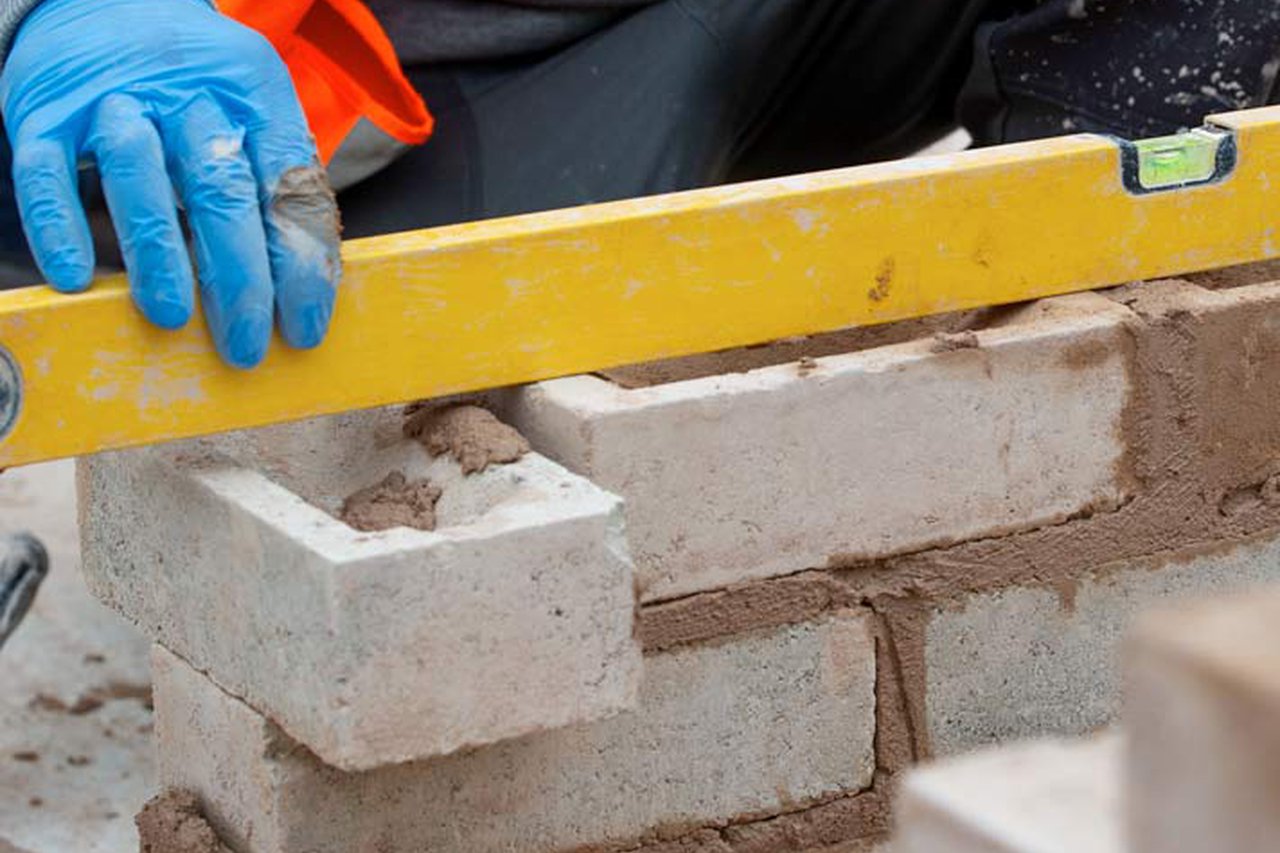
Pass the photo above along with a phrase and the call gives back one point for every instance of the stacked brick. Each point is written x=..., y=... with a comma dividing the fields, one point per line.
x=814, y=572
x=1195, y=770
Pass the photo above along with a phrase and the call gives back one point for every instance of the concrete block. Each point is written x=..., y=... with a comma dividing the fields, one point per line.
x=515, y=615
x=1025, y=662
x=1039, y=797
x=757, y=726
x=1203, y=708
x=751, y=475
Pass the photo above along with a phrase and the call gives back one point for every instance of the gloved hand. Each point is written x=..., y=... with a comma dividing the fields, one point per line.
x=165, y=95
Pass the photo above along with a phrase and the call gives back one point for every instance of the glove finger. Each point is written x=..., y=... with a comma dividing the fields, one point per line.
x=44, y=177
x=302, y=224
x=140, y=197
x=220, y=192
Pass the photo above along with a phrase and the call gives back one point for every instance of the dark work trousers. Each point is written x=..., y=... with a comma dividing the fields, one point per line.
x=676, y=95
x=690, y=93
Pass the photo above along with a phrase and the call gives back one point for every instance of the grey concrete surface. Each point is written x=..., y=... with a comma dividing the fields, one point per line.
x=73, y=772
x=1022, y=663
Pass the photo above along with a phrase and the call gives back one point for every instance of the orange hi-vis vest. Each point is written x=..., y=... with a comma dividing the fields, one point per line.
x=343, y=66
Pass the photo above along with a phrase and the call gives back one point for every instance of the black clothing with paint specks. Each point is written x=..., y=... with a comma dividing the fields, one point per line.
x=686, y=93
x=1130, y=67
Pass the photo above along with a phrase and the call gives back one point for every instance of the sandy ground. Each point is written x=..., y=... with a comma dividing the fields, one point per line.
x=73, y=772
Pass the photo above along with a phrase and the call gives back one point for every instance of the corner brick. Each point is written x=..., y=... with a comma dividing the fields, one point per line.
x=515, y=616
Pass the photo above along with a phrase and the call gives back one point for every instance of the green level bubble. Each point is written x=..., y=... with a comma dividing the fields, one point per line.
x=1184, y=158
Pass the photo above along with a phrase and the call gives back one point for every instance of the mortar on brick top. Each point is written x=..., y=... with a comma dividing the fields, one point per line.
x=942, y=327
x=760, y=725
x=514, y=616
x=756, y=474
x=326, y=460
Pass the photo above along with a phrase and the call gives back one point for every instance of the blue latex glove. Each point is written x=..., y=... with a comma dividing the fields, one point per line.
x=169, y=95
